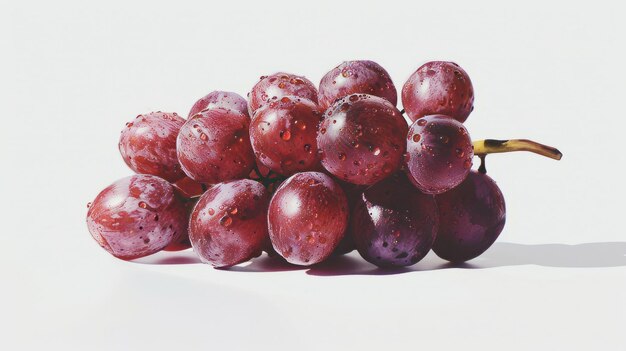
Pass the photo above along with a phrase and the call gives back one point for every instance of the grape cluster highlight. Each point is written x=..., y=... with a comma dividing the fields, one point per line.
x=304, y=173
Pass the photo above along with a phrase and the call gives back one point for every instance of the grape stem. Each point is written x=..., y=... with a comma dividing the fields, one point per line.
x=492, y=146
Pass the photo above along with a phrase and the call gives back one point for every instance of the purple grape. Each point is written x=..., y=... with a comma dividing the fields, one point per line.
x=394, y=224
x=217, y=99
x=283, y=135
x=229, y=223
x=275, y=86
x=148, y=145
x=137, y=216
x=472, y=216
x=214, y=146
x=356, y=77
x=438, y=87
x=362, y=139
x=307, y=217
x=439, y=153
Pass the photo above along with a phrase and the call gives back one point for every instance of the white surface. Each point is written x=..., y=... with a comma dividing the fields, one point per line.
x=72, y=73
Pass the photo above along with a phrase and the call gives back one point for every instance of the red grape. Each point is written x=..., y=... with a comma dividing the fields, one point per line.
x=283, y=135
x=394, y=224
x=438, y=87
x=439, y=153
x=362, y=139
x=307, y=217
x=229, y=224
x=218, y=99
x=137, y=216
x=472, y=216
x=148, y=145
x=356, y=77
x=214, y=146
x=276, y=86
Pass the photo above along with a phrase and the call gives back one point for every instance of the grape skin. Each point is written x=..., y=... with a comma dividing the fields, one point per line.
x=438, y=87
x=472, y=217
x=283, y=135
x=137, y=216
x=362, y=139
x=394, y=224
x=439, y=153
x=307, y=218
x=214, y=146
x=148, y=145
x=356, y=77
x=277, y=85
x=229, y=224
x=224, y=99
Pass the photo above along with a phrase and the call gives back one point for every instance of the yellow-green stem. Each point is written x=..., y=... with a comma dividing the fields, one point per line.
x=492, y=146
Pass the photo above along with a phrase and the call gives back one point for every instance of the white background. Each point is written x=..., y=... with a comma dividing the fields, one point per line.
x=72, y=73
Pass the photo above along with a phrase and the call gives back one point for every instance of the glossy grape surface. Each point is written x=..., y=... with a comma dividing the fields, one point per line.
x=148, y=145
x=229, y=224
x=472, y=217
x=356, y=77
x=307, y=218
x=275, y=86
x=394, y=224
x=362, y=139
x=137, y=216
x=217, y=99
x=188, y=188
x=438, y=87
x=214, y=146
x=283, y=135
x=439, y=153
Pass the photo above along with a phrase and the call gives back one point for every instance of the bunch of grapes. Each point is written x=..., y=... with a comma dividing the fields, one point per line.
x=305, y=173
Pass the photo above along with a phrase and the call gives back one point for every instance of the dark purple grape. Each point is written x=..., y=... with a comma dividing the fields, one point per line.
x=472, y=216
x=148, y=145
x=283, y=135
x=137, y=216
x=229, y=224
x=438, y=87
x=214, y=146
x=277, y=85
x=307, y=217
x=353, y=194
x=217, y=99
x=356, y=77
x=362, y=139
x=394, y=224
x=439, y=153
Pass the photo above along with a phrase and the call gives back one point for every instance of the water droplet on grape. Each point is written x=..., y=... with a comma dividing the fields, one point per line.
x=88, y=204
x=353, y=98
x=460, y=153
x=310, y=239
x=416, y=137
x=421, y=122
x=203, y=137
x=342, y=156
x=307, y=148
x=323, y=130
x=467, y=164
x=281, y=85
x=234, y=211
x=444, y=139
x=143, y=204
x=285, y=135
x=285, y=99
x=146, y=240
x=376, y=151
x=226, y=221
